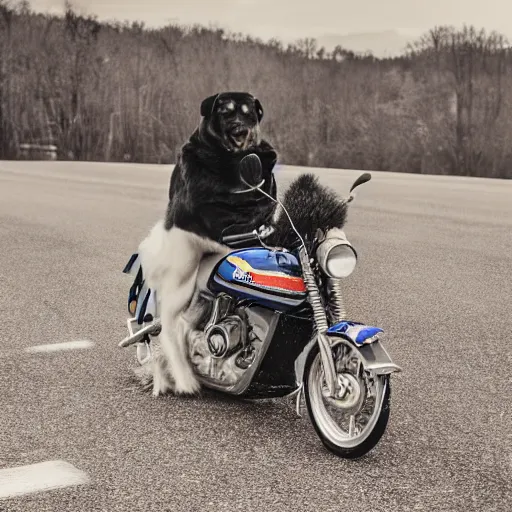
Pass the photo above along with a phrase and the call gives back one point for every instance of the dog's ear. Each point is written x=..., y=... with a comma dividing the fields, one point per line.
x=207, y=105
x=259, y=109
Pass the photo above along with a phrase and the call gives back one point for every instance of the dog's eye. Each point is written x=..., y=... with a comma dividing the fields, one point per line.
x=228, y=107
x=245, y=108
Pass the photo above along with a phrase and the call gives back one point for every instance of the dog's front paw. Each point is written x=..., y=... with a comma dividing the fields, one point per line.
x=158, y=389
x=161, y=384
x=161, y=388
x=187, y=386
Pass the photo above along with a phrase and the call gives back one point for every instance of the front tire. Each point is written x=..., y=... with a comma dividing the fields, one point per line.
x=339, y=439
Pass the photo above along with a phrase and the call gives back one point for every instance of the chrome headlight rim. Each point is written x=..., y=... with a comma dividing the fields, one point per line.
x=326, y=253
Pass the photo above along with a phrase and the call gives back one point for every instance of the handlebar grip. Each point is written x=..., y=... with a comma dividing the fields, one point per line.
x=238, y=238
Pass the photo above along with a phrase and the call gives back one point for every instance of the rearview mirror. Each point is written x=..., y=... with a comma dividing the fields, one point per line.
x=365, y=177
x=251, y=171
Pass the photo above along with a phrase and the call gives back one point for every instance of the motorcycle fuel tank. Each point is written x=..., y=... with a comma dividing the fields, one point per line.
x=267, y=277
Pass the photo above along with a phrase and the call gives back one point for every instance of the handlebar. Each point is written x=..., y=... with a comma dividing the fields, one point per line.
x=242, y=237
x=264, y=232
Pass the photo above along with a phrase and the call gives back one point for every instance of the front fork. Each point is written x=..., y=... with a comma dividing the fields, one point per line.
x=362, y=337
x=327, y=365
x=321, y=324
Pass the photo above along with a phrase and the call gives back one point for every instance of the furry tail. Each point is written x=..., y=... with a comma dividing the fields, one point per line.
x=311, y=206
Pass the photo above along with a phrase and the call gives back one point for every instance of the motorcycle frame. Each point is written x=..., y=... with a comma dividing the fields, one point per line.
x=374, y=355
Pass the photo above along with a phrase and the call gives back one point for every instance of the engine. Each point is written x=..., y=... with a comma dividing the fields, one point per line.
x=228, y=343
x=226, y=337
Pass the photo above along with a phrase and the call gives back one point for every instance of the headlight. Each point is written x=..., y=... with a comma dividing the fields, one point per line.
x=336, y=256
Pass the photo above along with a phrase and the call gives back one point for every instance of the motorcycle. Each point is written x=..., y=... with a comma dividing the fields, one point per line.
x=275, y=325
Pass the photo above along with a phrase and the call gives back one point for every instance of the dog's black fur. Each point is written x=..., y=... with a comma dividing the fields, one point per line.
x=201, y=198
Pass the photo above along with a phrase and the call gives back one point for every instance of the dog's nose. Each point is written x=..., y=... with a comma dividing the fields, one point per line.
x=237, y=123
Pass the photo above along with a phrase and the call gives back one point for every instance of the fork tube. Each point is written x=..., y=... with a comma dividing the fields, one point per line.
x=320, y=318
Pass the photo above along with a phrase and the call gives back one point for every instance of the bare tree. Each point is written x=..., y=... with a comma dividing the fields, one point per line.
x=475, y=64
x=122, y=92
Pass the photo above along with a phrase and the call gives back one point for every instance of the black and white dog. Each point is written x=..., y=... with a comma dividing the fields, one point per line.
x=202, y=208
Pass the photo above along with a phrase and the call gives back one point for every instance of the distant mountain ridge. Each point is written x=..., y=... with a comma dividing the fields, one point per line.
x=388, y=43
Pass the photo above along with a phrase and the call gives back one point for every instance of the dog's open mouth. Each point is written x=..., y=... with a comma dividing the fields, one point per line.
x=239, y=135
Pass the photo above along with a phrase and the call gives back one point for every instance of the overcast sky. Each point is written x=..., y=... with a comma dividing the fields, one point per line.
x=291, y=19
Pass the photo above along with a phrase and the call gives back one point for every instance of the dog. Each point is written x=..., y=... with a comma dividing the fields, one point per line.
x=201, y=209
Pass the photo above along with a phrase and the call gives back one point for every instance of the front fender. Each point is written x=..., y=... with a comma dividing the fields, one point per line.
x=366, y=339
x=359, y=334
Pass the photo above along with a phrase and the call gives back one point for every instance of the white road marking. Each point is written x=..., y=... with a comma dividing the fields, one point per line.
x=56, y=347
x=45, y=476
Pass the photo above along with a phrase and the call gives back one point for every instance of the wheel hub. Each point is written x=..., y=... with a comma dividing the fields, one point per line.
x=347, y=393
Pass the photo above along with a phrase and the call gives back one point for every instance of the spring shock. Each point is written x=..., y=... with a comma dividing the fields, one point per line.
x=337, y=311
x=315, y=300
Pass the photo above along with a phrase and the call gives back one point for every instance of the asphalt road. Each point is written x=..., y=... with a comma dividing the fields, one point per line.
x=435, y=272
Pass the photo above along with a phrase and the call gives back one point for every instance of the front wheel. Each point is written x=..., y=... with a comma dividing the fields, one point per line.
x=351, y=424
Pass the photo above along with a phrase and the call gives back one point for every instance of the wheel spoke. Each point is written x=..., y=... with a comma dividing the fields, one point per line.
x=351, y=425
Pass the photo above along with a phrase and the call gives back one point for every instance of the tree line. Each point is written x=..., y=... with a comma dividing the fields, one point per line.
x=122, y=92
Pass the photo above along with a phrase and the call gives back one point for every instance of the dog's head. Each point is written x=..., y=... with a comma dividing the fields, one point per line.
x=233, y=119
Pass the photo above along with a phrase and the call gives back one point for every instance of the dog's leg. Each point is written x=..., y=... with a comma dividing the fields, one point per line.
x=180, y=256
x=161, y=381
x=159, y=387
x=173, y=337
x=170, y=261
